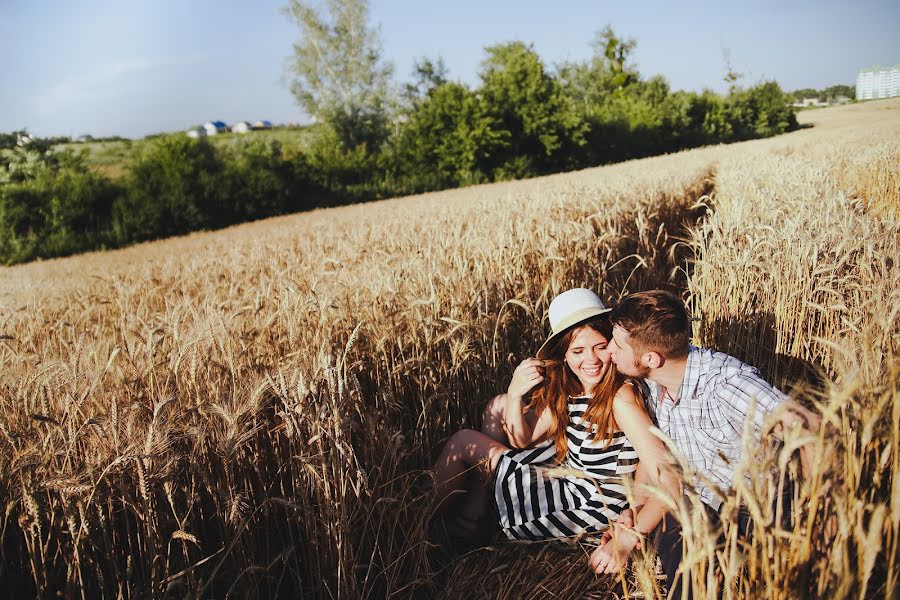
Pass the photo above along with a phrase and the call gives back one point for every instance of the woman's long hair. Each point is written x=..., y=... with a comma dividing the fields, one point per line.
x=560, y=384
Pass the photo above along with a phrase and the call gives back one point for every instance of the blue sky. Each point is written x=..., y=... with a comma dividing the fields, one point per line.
x=132, y=67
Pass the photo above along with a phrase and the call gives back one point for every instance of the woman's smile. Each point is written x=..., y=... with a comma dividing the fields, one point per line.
x=588, y=357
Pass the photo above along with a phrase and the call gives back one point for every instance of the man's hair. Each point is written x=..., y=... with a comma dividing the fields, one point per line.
x=656, y=321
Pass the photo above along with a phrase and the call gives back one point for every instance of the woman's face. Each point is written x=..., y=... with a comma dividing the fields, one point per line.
x=588, y=357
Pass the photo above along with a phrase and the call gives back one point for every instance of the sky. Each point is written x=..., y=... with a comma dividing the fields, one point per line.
x=133, y=67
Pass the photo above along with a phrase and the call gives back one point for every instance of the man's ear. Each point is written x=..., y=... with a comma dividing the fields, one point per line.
x=653, y=360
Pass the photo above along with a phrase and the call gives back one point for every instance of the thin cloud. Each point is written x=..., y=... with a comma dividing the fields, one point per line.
x=105, y=79
x=88, y=85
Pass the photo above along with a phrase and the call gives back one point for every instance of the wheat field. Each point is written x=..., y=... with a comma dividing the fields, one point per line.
x=252, y=412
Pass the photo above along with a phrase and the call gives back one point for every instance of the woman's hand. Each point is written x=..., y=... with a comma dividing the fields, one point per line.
x=612, y=555
x=526, y=377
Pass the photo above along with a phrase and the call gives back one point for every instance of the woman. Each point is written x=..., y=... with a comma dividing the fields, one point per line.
x=583, y=415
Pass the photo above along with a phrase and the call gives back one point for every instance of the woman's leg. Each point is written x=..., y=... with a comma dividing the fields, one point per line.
x=492, y=425
x=466, y=452
x=492, y=419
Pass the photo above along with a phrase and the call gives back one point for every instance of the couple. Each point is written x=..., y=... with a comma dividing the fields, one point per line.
x=590, y=413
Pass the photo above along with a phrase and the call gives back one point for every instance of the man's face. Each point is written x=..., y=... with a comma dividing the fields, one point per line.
x=623, y=355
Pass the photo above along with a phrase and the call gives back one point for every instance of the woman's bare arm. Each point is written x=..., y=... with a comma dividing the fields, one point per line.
x=526, y=377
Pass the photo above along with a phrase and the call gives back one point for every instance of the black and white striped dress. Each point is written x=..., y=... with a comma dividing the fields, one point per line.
x=533, y=505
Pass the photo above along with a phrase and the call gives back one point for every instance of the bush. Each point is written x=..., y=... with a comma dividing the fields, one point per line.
x=255, y=182
x=344, y=175
x=760, y=111
x=171, y=190
x=59, y=208
x=259, y=181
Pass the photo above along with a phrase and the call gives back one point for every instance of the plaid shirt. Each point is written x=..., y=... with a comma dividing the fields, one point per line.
x=706, y=421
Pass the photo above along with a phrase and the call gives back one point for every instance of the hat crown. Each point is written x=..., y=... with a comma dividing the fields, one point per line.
x=569, y=306
x=569, y=309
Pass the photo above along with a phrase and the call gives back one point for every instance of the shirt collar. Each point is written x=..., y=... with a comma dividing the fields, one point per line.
x=690, y=381
x=691, y=375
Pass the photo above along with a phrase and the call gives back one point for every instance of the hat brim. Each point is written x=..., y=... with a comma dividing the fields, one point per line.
x=577, y=320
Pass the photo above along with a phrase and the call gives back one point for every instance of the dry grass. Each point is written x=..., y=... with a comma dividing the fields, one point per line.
x=248, y=412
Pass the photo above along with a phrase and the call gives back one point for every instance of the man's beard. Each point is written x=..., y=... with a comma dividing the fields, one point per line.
x=640, y=370
x=636, y=370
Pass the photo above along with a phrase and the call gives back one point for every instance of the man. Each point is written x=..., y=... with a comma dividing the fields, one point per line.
x=699, y=398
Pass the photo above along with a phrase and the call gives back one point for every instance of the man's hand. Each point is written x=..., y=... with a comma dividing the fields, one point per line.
x=626, y=519
x=616, y=545
x=612, y=556
x=795, y=414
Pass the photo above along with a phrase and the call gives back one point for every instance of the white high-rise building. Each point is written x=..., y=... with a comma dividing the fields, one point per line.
x=878, y=82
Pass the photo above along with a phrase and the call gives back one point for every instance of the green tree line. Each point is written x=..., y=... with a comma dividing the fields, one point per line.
x=524, y=118
x=829, y=94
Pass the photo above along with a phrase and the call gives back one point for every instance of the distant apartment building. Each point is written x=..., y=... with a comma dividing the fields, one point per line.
x=878, y=82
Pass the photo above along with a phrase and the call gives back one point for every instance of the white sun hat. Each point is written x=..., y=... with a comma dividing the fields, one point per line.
x=570, y=309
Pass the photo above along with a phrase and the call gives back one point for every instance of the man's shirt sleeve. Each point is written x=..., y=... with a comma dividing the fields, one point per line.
x=743, y=390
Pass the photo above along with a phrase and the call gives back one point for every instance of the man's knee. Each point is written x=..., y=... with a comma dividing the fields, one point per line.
x=668, y=542
x=668, y=527
x=667, y=539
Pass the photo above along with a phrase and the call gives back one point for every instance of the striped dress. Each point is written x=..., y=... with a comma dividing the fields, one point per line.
x=532, y=505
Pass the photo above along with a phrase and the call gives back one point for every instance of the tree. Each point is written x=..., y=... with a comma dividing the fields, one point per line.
x=427, y=75
x=731, y=76
x=448, y=140
x=611, y=54
x=256, y=181
x=830, y=94
x=604, y=96
x=528, y=103
x=608, y=72
x=803, y=93
x=8, y=141
x=337, y=72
